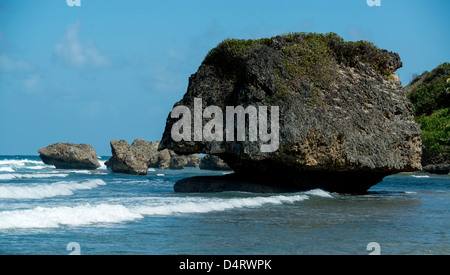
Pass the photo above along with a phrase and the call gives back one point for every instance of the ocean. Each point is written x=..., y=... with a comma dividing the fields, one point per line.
x=59, y=212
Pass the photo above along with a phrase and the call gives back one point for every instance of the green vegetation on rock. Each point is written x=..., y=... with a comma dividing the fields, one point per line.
x=436, y=130
x=231, y=53
x=430, y=96
x=309, y=55
x=430, y=91
x=311, y=59
x=315, y=54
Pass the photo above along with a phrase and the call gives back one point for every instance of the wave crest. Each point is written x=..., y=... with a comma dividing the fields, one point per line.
x=83, y=215
x=31, y=176
x=40, y=191
x=42, y=217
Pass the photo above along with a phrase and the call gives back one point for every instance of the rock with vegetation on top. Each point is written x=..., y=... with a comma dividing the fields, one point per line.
x=70, y=156
x=344, y=120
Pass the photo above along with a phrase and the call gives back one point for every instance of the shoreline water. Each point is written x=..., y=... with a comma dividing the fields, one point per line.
x=44, y=209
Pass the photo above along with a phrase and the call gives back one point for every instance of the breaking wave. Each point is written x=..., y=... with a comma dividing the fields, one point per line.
x=20, y=162
x=31, y=176
x=42, y=217
x=420, y=176
x=87, y=214
x=39, y=191
x=210, y=205
x=6, y=169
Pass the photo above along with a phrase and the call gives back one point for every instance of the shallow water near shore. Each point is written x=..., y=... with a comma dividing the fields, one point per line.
x=42, y=210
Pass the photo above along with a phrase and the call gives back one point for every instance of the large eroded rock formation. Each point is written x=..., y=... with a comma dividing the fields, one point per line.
x=344, y=121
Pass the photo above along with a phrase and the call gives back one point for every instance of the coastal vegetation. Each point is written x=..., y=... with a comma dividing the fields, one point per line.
x=312, y=58
x=312, y=50
x=430, y=96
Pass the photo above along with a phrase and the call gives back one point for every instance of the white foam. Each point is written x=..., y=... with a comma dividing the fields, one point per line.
x=420, y=176
x=210, y=205
x=102, y=165
x=42, y=217
x=83, y=215
x=39, y=191
x=31, y=176
x=160, y=175
x=19, y=162
x=6, y=169
x=151, y=169
x=39, y=167
x=7, y=177
x=319, y=193
x=78, y=171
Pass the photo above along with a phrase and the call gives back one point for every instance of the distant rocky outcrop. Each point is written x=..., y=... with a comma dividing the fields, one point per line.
x=179, y=161
x=193, y=160
x=136, y=158
x=70, y=156
x=436, y=162
x=167, y=159
x=344, y=120
x=210, y=162
x=131, y=159
x=163, y=161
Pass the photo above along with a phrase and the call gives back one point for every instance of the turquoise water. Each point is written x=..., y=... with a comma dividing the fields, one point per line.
x=42, y=210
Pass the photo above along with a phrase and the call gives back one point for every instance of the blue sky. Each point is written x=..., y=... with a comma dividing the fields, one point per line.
x=112, y=69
